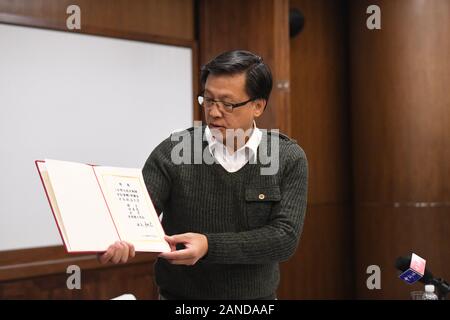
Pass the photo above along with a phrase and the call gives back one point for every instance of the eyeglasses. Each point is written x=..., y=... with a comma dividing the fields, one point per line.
x=207, y=103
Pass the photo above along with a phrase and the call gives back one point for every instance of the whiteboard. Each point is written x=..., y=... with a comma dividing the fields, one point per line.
x=82, y=98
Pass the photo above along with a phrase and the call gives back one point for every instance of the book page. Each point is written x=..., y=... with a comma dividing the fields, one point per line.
x=53, y=203
x=85, y=217
x=133, y=212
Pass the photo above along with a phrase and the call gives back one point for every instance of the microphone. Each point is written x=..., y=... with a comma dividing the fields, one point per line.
x=443, y=288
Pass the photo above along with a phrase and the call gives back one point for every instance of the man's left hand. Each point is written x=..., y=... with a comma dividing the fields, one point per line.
x=196, y=247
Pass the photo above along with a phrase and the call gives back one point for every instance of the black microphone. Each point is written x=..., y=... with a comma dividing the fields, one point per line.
x=442, y=287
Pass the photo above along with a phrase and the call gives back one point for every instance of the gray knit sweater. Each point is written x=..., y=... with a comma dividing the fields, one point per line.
x=252, y=221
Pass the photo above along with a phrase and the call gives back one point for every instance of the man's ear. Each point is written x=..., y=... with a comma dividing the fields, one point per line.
x=259, y=105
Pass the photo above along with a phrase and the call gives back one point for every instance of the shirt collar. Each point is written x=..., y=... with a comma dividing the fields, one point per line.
x=251, y=144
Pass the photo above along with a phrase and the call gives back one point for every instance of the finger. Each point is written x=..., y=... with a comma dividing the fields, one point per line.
x=186, y=262
x=178, y=255
x=132, y=250
x=105, y=257
x=169, y=240
x=117, y=253
x=172, y=248
x=180, y=238
x=125, y=252
x=172, y=243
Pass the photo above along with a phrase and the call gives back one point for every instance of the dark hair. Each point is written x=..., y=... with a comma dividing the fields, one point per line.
x=258, y=82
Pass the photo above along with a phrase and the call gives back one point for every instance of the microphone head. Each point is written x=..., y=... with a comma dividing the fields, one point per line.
x=403, y=264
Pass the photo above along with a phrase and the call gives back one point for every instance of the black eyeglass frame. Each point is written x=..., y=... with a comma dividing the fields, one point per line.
x=201, y=100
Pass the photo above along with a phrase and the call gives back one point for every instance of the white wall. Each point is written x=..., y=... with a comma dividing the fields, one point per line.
x=79, y=98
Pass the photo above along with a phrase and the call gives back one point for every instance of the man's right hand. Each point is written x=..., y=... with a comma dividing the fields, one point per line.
x=119, y=252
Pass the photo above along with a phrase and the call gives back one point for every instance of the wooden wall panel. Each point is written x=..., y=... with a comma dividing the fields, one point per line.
x=260, y=26
x=322, y=266
x=96, y=284
x=320, y=111
x=401, y=138
x=40, y=273
x=400, y=98
x=165, y=20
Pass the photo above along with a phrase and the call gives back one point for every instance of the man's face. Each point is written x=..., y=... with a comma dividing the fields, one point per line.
x=230, y=88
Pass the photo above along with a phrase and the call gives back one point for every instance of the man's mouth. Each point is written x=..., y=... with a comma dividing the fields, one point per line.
x=216, y=126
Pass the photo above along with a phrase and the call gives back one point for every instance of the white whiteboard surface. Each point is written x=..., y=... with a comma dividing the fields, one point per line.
x=79, y=98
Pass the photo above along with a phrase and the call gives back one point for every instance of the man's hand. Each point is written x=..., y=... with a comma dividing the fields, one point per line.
x=196, y=247
x=120, y=251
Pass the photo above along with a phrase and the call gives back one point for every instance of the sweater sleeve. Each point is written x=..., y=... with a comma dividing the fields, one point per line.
x=157, y=173
x=278, y=240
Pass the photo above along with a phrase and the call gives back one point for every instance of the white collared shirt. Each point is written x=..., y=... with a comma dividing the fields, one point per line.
x=232, y=162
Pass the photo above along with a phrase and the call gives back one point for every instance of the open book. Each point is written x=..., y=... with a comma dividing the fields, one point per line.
x=95, y=206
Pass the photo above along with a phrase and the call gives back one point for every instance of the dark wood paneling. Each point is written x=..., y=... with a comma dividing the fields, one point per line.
x=25, y=263
x=319, y=105
x=400, y=102
x=385, y=233
x=401, y=138
x=321, y=267
x=40, y=273
x=260, y=26
x=96, y=284
x=165, y=20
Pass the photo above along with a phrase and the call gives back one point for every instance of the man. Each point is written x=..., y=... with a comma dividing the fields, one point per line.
x=229, y=224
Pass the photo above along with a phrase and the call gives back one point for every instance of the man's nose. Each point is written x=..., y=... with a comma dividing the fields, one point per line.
x=214, y=111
